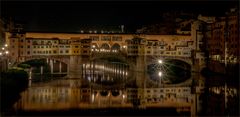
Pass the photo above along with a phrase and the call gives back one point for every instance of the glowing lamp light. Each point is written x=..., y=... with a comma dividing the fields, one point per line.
x=6, y=45
x=6, y=52
x=0, y=53
x=160, y=61
x=124, y=96
x=160, y=74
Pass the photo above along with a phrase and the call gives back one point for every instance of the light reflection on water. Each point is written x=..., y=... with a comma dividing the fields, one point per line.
x=63, y=95
x=103, y=90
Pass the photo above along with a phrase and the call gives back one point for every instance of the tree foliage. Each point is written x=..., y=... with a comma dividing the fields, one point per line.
x=13, y=82
x=24, y=66
x=35, y=62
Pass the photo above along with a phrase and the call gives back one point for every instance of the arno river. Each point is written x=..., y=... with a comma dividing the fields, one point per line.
x=108, y=87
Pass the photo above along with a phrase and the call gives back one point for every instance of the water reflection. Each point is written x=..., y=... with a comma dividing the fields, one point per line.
x=63, y=95
x=105, y=72
x=103, y=84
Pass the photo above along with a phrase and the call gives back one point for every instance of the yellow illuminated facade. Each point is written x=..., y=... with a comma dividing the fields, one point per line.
x=27, y=45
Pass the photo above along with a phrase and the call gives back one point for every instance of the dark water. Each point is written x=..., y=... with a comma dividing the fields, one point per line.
x=103, y=89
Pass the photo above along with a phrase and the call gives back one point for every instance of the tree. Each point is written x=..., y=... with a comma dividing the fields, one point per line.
x=24, y=66
x=13, y=82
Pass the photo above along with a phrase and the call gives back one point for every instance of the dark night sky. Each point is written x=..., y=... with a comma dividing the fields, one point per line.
x=66, y=16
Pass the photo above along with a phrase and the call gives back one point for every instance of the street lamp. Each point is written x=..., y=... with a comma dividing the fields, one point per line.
x=160, y=74
x=160, y=61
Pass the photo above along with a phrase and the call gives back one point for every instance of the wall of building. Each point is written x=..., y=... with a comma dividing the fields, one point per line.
x=223, y=44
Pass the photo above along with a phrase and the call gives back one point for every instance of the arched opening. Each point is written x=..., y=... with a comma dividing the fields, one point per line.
x=104, y=93
x=169, y=71
x=95, y=47
x=105, y=48
x=115, y=93
x=116, y=47
x=44, y=69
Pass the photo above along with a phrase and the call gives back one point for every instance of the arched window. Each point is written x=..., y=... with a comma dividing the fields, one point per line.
x=116, y=46
x=105, y=46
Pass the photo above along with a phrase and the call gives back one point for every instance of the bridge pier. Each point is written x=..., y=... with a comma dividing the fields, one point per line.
x=60, y=67
x=41, y=68
x=140, y=70
x=51, y=66
x=75, y=67
x=47, y=60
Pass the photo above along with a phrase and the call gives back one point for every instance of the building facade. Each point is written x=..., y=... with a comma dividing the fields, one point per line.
x=223, y=43
x=61, y=44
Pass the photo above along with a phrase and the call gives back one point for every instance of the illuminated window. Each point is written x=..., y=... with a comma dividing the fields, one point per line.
x=116, y=38
x=106, y=38
x=94, y=38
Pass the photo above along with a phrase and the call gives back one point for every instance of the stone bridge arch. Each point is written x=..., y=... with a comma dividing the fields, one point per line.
x=117, y=56
x=95, y=46
x=116, y=47
x=105, y=46
x=154, y=60
x=62, y=61
x=173, y=70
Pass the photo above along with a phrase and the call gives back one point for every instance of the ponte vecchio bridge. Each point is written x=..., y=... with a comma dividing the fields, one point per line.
x=77, y=53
